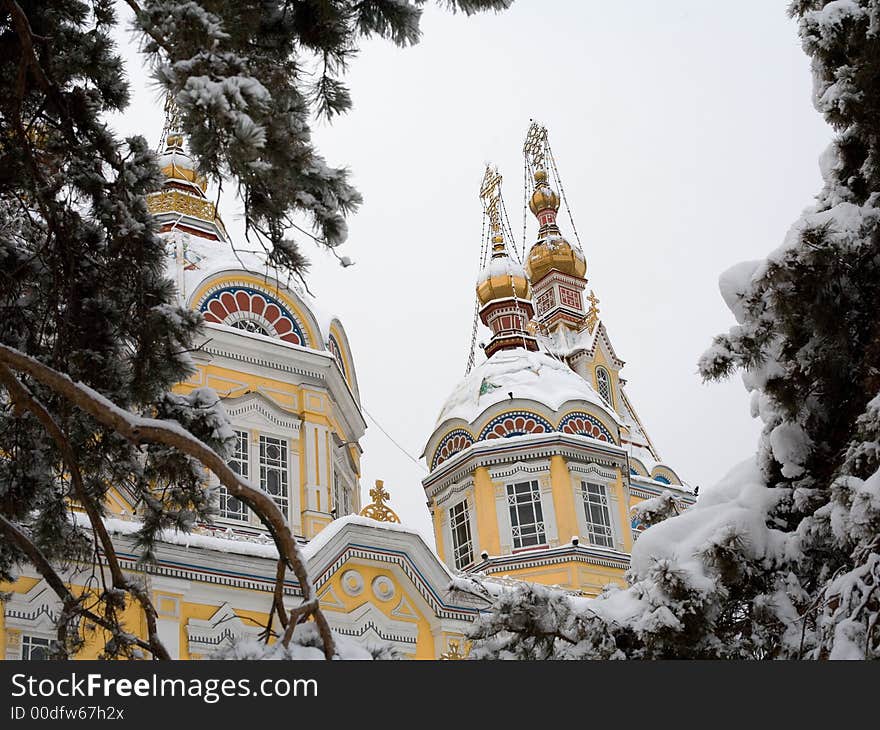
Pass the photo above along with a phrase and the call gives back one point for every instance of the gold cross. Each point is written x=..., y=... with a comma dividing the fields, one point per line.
x=535, y=145
x=379, y=494
x=593, y=300
x=378, y=510
x=453, y=652
x=490, y=194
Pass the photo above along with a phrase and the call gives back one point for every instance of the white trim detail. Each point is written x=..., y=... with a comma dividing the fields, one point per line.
x=521, y=471
x=352, y=583
x=206, y=636
x=369, y=625
x=34, y=613
x=519, y=468
x=257, y=412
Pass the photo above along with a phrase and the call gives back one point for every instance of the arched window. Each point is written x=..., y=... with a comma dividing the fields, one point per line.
x=604, y=382
x=250, y=325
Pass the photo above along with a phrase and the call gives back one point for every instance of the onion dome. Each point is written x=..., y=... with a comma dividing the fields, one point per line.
x=181, y=204
x=177, y=165
x=501, y=278
x=544, y=196
x=551, y=251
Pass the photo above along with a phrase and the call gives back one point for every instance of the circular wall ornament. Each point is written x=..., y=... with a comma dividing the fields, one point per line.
x=352, y=582
x=383, y=587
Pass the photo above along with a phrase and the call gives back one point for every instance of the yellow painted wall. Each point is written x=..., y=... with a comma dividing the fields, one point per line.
x=425, y=648
x=487, y=520
x=563, y=499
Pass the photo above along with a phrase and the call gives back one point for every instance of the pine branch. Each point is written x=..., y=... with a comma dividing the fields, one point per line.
x=72, y=605
x=140, y=431
x=25, y=400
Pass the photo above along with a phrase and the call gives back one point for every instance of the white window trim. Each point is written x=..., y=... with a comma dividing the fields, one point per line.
x=468, y=502
x=247, y=512
x=451, y=496
x=519, y=472
x=256, y=440
x=255, y=428
x=596, y=474
x=609, y=382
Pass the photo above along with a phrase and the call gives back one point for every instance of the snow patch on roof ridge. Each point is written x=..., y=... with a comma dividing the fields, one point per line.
x=501, y=266
x=319, y=541
x=261, y=547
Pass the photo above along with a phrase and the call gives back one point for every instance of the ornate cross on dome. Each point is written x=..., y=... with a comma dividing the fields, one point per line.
x=593, y=313
x=535, y=146
x=378, y=510
x=490, y=194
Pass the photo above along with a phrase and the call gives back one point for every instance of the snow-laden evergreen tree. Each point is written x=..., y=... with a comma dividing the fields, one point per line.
x=91, y=338
x=782, y=558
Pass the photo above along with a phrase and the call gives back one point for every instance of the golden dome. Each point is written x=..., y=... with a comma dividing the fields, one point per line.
x=544, y=196
x=554, y=252
x=177, y=165
x=502, y=278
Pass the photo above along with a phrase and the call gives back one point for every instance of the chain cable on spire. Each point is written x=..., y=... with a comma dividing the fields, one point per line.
x=537, y=152
x=172, y=121
x=507, y=230
x=484, y=245
x=558, y=180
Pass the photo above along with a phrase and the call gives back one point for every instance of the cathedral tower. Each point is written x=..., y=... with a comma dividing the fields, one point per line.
x=537, y=456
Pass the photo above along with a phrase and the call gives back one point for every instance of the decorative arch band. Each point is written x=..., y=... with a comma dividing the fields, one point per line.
x=336, y=351
x=248, y=308
x=583, y=424
x=451, y=444
x=515, y=423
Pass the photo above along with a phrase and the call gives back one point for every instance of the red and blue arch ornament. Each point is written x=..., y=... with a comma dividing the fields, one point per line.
x=451, y=444
x=515, y=423
x=336, y=351
x=253, y=310
x=583, y=424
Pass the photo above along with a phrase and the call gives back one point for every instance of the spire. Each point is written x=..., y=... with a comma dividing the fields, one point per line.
x=502, y=287
x=181, y=203
x=557, y=270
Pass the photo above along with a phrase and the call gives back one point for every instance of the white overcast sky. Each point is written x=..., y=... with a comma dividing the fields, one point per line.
x=686, y=141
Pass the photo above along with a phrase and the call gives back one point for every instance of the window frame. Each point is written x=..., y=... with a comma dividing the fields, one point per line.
x=539, y=522
x=241, y=516
x=342, y=494
x=27, y=641
x=462, y=519
x=281, y=500
x=603, y=377
x=605, y=531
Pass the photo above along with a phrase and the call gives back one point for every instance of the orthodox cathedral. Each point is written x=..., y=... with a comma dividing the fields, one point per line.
x=534, y=464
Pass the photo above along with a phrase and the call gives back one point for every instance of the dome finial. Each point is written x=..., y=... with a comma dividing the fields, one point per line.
x=173, y=159
x=502, y=289
x=490, y=194
x=552, y=251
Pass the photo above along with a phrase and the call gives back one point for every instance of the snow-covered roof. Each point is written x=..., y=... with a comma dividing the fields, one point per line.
x=528, y=375
x=207, y=258
x=258, y=546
